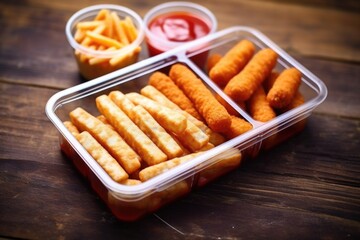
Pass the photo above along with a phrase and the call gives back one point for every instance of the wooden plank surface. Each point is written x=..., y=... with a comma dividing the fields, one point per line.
x=305, y=188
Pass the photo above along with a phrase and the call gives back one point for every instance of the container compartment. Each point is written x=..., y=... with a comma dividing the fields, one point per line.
x=130, y=203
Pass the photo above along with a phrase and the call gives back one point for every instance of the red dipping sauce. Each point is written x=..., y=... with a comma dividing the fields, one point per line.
x=177, y=27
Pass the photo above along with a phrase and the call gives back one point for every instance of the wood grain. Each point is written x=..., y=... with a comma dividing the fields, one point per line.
x=306, y=188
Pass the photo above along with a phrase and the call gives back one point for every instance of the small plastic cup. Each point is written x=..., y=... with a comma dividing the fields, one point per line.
x=163, y=34
x=93, y=63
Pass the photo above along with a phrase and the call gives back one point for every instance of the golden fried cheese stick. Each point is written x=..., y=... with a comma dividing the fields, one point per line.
x=165, y=85
x=212, y=60
x=157, y=169
x=232, y=63
x=147, y=124
x=284, y=88
x=244, y=84
x=132, y=134
x=259, y=107
x=154, y=94
x=215, y=114
x=238, y=127
x=168, y=118
x=108, y=138
x=297, y=101
x=105, y=160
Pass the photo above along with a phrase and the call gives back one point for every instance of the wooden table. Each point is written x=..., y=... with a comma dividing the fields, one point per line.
x=305, y=188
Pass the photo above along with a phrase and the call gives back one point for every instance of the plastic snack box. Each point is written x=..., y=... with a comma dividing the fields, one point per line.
x=129, y=203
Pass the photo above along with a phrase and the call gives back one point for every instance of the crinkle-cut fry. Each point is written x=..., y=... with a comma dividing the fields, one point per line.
x=166, y=117
x=238, y=127
x=71, y=127
x=147, y=124
x=212, y=60
x=157, y=169
x=120, y=31
x=215, y=114
x=108, y=138
x=244, y=84
x=154, y=94
x=192, y=137
x=103, y=157
x=259, y=107
x=284, y=89
x=297, y=101
x=131, y=182
x=103, y=119
x=102, y=14
x=232, y=63
x=103, y=40
x=165, y=84
x=88, y=25
x=132, y=134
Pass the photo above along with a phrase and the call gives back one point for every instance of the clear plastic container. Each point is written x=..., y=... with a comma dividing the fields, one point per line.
x=159, y=43
x=104, y=61
x=130, y=203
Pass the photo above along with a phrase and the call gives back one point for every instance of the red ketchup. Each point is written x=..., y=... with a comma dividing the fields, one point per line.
x=175, y=28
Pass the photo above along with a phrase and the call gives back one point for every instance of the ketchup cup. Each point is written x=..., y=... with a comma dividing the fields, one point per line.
x=172, y=24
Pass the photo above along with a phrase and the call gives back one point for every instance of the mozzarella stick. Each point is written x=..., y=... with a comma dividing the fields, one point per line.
x=238, y=127
x=244, y=84
x=105, y=160
x=131, y=182
x=212, y=60
x=269, y=81
x=108, y=138
x=297, y=101
x=232, y=63
x=154, y=94
x=167, y=87
x=147, y=124
x=168, y=119
x=284, y=88
x=157, y=169
x=215, y=115
x=132, y=134
x=259, y=107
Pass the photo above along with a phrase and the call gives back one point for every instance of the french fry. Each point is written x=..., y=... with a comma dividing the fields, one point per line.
x=120, y=31
x=210, y=109
x=244, y=84
x=132, y=134
x=108, y=138
x=147, y=124
x=103, y=40
x=71, y=127
x=101, y=15
x=105, y=160
x=88, y=25
x=168, y=119
x=131, y=182
x=152, y=171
